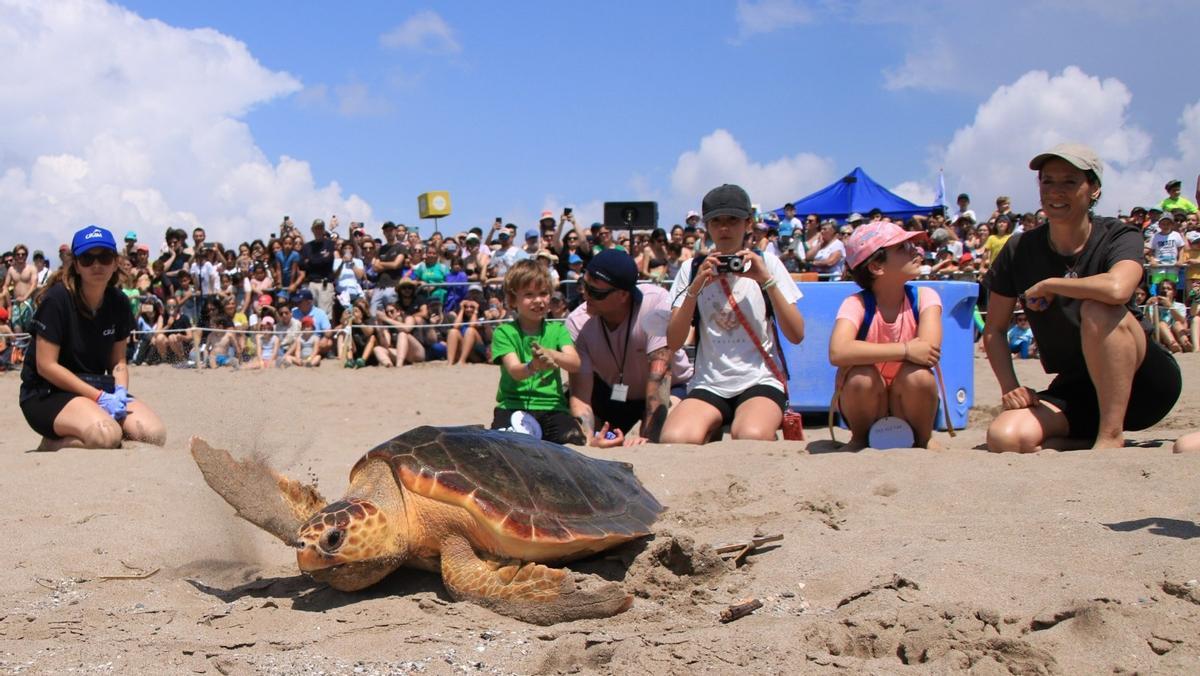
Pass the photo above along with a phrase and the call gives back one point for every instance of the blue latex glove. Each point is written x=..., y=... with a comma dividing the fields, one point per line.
x=113, y=405
x=123, y=394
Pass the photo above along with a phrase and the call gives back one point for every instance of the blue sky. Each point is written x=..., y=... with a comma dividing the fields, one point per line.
x=516, y=108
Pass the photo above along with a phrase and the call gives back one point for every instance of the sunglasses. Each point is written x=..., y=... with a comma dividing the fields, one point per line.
x=595, y=293
x=104, y=257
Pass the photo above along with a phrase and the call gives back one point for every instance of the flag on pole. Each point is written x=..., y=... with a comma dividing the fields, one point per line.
x=940, y=200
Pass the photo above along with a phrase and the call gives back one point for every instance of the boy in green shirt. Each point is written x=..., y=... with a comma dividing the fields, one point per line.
x=1175, y=201
x=532, y=353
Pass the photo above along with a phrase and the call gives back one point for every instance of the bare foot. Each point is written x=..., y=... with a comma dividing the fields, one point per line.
x=854, y=445
x=50, y=445
x=932, y=445
x=1109, y=442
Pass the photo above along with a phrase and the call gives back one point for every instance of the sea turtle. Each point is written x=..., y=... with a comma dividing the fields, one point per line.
x=485, y=509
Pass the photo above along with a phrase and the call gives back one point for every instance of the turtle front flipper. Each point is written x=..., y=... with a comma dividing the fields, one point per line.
x=260, y=495
x=529, y=592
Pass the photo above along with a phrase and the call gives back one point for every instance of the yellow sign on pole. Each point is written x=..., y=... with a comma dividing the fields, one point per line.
x=434, y=204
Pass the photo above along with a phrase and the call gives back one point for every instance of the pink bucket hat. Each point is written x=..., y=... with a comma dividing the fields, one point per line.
x=869, y=238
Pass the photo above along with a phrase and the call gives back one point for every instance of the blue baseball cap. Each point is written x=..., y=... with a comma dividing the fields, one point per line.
x=131, y=236
x=532, y=234
x=92, y=237
x=617, y=269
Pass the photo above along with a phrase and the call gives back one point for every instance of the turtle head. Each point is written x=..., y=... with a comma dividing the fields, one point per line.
x=350, y=545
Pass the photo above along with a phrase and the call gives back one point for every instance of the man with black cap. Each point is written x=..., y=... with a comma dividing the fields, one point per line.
x=389, y=264
x=626, y=372
x=316, y=267
x=1176, y=201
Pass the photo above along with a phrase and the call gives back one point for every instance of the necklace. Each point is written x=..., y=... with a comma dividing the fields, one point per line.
x=1070, y=262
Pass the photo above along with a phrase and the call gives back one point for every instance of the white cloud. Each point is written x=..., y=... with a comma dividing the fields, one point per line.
x=721, y=159
x=932, y=67
x=426, y=31
x=991, y=155
x=768, y=16
x=916, y=192
x=134, y=124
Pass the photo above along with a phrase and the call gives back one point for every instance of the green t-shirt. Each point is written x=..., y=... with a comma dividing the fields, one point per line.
x=1182, y=203
x=544, y=390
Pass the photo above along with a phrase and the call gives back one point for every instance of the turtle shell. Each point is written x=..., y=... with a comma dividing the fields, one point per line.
x=519, y=486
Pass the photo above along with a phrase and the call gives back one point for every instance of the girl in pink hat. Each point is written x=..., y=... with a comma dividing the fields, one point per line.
x=885, y=359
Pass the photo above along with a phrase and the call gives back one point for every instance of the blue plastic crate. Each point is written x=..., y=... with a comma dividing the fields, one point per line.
x=810, y=383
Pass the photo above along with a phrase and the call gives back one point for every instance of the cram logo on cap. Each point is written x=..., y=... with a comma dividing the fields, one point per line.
x=94, y=234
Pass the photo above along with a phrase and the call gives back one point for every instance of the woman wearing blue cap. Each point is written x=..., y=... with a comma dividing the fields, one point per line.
x=74, y=385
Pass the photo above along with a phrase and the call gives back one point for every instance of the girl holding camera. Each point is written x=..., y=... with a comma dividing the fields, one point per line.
x=738, y=381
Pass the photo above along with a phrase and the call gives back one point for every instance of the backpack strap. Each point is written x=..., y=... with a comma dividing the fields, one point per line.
x=868, y=300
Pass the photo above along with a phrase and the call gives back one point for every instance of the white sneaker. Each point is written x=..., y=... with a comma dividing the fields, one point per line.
x=525, y=423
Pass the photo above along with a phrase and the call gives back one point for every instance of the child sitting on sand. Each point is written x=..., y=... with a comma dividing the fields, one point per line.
x=531, y=353
x=884, y=357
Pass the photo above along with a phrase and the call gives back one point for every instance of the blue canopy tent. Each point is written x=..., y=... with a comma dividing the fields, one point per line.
x=855, y=193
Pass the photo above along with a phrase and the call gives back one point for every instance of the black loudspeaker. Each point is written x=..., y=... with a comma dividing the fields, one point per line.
x=631, y=215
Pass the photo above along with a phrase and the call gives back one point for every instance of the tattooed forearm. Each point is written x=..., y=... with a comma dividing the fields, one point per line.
x=658, y=394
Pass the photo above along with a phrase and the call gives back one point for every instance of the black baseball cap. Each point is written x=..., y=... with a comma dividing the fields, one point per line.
x=617, y=269
x=726, y=200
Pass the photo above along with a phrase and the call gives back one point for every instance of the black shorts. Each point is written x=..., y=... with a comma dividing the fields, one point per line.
x=729, y=405
x=1156, y=387
x=42, y=409
x=557, y=426
x=622, y=415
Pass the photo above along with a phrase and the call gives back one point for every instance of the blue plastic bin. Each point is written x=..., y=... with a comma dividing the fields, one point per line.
x=810, y=382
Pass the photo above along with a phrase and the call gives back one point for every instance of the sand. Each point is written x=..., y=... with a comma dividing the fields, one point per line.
x=892, y=562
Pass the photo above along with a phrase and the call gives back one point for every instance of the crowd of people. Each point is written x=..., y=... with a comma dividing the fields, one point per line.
x=392, y=297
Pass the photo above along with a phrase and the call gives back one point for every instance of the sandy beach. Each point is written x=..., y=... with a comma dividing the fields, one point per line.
x=124, y=561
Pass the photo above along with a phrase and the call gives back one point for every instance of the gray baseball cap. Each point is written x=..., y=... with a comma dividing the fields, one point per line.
x=1078, y=155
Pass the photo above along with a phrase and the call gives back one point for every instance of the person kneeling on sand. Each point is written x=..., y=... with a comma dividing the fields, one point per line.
x=74, y=385
x=532, y=353
x=1078, y=278
x=884, y=359
x=737, y=381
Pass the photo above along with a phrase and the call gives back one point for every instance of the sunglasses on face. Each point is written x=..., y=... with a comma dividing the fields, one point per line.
x=104, y=257
x=595, y=293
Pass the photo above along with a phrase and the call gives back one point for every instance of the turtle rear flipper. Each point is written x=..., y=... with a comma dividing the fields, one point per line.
x=529, y=592
x=260, y=495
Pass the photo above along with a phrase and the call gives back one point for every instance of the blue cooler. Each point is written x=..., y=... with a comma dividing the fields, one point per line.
x=810, y=382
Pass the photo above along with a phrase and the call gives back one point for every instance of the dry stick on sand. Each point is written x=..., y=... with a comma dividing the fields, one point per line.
x=740, y=610
x=142, y=575
x=741, y=549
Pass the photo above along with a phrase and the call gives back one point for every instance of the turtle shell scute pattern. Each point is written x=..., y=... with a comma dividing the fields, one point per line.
x=527, y=488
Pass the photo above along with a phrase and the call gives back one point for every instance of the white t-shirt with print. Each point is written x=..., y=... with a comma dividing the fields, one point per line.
x=1166, y=248
x=727, y=362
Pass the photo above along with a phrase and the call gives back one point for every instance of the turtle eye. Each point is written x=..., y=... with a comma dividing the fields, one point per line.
x=332, y=539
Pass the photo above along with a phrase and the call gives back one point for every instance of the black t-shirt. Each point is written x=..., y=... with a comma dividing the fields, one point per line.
x=180, y=263
x=389, y=252
x=316, y=259
x=1027, y=259
x=85, y=343
x=411, y=305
